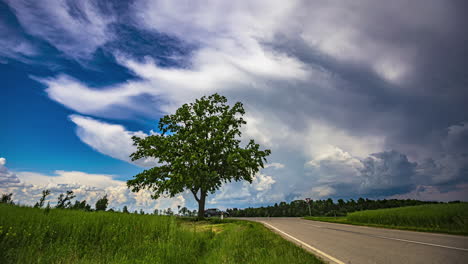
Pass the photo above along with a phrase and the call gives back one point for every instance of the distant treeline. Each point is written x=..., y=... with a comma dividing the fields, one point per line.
x=321, y=207
x=64, y=201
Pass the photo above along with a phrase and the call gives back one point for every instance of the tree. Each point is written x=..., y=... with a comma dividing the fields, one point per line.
x=184, y=211
x=7, y=198
x=169, y=212
x=64, y=201
x=81, y=206
x=39, y=204
x=199, y=149
x=125, y=209
x=101, y=204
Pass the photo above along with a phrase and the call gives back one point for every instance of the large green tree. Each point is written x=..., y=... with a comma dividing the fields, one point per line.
x=198, y=149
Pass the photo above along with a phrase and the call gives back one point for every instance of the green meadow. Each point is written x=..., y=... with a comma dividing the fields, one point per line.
x=32, y=235
x=451, y=218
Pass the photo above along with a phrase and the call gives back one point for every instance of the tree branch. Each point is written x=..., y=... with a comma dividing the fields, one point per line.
x=195, y=195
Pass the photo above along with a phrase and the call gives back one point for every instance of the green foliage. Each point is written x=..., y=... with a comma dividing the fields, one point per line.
x=27, y=235
x=101, y=204
x=7, y=198
x=125, y=209
x=449, y=218
x=198, y=150
x=81, y=206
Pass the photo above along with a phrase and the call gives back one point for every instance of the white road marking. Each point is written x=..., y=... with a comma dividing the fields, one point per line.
x=307, y=245
x=398, y=239
x=422, y=243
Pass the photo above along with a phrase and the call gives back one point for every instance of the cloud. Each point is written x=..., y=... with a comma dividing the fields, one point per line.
x=27, y=189
x=325, y=85
x=433, y=193
x=109, y=139
x=341, y=174
x=243, y=193
x=76, y=28
x=387, y=171
x=7, y=178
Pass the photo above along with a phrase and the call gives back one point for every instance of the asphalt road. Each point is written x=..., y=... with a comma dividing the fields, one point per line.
x=339, y=243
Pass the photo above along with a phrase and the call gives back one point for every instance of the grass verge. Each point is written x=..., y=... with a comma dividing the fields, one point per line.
x=29, y=235
x=439, y=218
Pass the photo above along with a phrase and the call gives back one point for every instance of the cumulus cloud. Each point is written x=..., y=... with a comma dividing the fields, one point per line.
x=109, y=139
x=27, y=189
x=387, y=171
x=243, y=193
x=7, y=178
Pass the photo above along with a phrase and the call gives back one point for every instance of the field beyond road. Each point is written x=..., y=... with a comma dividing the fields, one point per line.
x=32, y=235
x=440, y=218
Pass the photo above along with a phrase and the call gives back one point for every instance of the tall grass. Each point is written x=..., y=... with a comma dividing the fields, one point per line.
x=30, y=235
x=442, y=218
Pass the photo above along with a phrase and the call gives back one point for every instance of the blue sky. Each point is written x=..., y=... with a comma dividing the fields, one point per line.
x=354, y=99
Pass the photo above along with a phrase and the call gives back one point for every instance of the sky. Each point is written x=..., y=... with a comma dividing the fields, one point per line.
x=354, y=98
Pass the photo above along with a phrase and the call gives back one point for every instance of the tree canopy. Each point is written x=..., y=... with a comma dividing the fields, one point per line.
x=198, y=149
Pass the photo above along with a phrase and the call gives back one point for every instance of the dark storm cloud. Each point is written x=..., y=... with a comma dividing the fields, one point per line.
x=387, y=173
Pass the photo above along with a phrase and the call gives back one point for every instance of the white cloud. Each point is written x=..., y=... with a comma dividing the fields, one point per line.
x=27, y=188
x=275, y=165
x=237, y=193
x=109, y=139
x=76, y=28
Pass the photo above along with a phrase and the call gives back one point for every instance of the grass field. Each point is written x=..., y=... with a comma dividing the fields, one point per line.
x=29, y=235
x=441, y=218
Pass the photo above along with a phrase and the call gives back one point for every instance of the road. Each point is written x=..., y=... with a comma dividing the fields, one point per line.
x=339, y=243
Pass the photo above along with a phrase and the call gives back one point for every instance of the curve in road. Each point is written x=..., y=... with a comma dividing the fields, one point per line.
x=339, y=243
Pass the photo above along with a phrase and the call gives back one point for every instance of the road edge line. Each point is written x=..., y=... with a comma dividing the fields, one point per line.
x=318, y=251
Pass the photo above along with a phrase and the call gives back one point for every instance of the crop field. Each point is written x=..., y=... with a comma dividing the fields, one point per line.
x=441, y=218
x=31, y=235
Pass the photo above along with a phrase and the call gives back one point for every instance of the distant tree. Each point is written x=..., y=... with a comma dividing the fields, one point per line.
x=156, y=212
x=169, y=211
x=198, y=150
x=135, y=212
x=125, y=209
x=101, y=204
x=142, y=212
x=64, y=201
x=81, y=206
x=7, y=198
x=39, y=204
x=184, y=211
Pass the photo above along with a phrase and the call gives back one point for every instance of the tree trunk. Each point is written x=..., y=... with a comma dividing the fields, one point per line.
x=201, y=206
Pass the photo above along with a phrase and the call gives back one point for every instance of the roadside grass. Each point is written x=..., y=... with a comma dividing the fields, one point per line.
x=439, y=218
x=30, y=235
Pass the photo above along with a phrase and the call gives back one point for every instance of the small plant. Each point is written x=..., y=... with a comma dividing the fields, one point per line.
x=47, y=209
